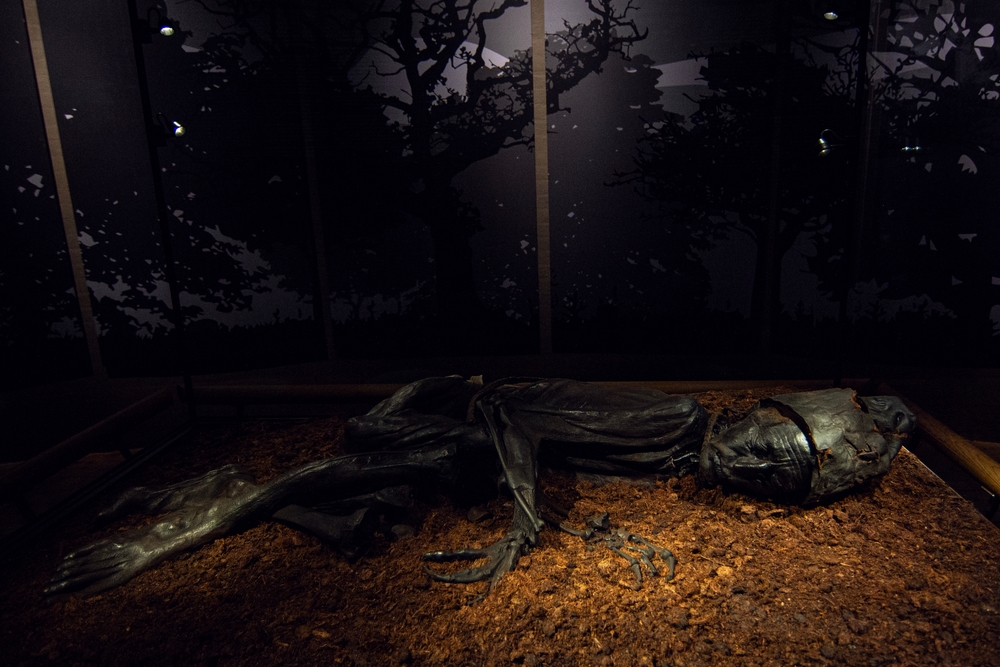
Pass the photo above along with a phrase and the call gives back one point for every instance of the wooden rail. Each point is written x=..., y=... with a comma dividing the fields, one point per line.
x=698, y=386
x=962, y=451
x=20, y=478
x=262, y=394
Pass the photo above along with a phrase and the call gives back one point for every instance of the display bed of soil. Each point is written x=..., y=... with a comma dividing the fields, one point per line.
x=904, y=572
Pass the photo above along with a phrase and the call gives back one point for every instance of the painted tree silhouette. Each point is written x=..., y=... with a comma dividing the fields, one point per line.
x=940, y=104
x=457, y=106
x=216, y=176
x=407, y=94
x=709, y=174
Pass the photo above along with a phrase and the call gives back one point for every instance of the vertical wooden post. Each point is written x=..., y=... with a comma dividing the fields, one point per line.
x=539, y=97
x=321, y=309
x=87, y=321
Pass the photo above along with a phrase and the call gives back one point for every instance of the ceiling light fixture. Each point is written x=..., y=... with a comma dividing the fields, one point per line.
x=828, y=140
x=155, y=22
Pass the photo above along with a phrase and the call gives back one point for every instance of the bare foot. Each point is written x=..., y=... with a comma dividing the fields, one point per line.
x=111, y=562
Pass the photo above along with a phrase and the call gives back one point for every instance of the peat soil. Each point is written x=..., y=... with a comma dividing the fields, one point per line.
x=901, y=573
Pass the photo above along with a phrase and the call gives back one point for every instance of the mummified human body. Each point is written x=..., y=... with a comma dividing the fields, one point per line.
x=795, y=448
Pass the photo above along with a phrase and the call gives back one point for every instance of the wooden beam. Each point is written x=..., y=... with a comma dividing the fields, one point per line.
x=321, y=300
x=263, y=394
x=991, y=449
x=964, y=453
x=87, y=321
x=106, y=432
x=698, y=386
x=539, y=97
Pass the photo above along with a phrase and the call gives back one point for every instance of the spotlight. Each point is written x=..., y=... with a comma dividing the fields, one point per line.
x=831, y=15
x=825, y=144
x=155, y=22
x=163, y=129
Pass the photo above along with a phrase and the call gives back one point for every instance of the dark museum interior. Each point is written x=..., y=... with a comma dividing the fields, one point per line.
x=233, y=229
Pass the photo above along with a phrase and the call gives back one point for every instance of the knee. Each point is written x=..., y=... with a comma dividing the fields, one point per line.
x=692, y=412
x=361, y=433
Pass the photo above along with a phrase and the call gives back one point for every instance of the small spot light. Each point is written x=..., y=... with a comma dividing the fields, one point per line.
x=831, y=15
x=155, y=22
x=825, y=144
x=178, y=129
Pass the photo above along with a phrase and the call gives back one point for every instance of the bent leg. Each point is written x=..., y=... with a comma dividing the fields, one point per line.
x=614, y=430
x=430, y=411
x=350, y=535
x=112, y=562
x=229, y=481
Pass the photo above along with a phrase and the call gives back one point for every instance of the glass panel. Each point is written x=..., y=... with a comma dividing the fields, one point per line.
x=929, y=287
x=659, y=174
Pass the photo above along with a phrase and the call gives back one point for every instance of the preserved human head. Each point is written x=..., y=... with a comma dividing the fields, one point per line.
x=889, y=413
x=807, y=447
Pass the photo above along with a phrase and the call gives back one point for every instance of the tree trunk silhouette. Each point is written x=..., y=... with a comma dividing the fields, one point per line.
x=451, y=223
x=419, y=97
x=456, y=285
